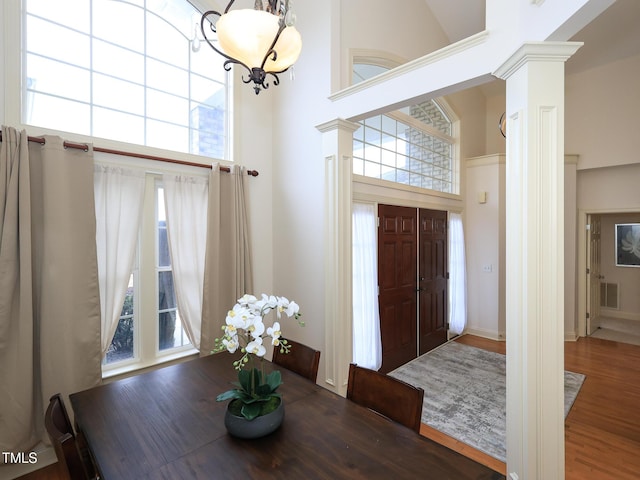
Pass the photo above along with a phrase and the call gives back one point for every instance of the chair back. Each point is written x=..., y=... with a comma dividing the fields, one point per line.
x=388, y=396
x=60, y=430
x=301, y=359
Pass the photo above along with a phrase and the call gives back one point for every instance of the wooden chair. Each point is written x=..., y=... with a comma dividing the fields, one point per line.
x=388, y=396
x=64, y=441
x=301, y=359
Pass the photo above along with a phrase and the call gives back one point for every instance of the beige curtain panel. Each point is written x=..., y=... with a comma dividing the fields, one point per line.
x=49, y=298
x=228, y=273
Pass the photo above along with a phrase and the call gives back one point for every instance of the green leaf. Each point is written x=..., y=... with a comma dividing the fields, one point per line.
x=228, y=395
x=274, y=380
x=251, y=410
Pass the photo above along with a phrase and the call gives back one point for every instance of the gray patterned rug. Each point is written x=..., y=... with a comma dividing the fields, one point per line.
x=465, y=394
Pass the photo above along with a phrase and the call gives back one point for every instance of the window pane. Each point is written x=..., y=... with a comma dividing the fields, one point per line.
x=46, y=39
x=166, y=293
x=170, y=108
x=74, y=13
x=130, y=96
x=129, y=65
x=45, y=111
x=105, y=52
x=166, y=329
x=128, y=18
x=59, y=79
x=164, y=135
x=166, y=43
x=164, y=259
x=118, y=125
x=167, y=78
x=122, y=344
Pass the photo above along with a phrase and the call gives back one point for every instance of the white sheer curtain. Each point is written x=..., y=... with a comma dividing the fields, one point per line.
x=119, y=196
x=186, y=208
x=457, y=276
x=367, y=344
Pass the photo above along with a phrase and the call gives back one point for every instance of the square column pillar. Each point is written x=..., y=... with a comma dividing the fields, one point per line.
x=535, y=259
x=337, y=144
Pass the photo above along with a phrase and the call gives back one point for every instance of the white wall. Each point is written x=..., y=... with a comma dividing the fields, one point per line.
x=485, y=246
x=601, y=117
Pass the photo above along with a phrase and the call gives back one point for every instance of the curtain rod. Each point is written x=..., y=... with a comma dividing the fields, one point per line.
x=85, y=147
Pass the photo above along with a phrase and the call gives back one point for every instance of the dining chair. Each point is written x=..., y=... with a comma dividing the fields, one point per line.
x=388, y=396
x=301, y=359
x=65, y=442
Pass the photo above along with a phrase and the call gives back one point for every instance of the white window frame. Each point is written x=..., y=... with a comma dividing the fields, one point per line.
x=146, y=352
x=12, y=72
x=384, y=60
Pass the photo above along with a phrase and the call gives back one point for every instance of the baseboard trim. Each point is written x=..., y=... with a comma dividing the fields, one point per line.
x=570, y=336
x=490, y=334
x=617, y=314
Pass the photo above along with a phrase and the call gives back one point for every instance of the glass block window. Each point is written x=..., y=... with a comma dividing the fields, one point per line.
x=413, y=146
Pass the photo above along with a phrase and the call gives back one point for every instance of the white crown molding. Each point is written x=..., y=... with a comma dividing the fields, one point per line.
x=537, y=52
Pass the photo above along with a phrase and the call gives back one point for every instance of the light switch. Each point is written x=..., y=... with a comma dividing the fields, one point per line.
x=482, y=197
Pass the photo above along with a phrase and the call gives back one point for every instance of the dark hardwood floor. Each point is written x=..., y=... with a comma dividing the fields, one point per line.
x=602, y=431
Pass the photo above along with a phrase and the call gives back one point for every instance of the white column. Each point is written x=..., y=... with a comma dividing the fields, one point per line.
x=535, y=259
x=337, y=141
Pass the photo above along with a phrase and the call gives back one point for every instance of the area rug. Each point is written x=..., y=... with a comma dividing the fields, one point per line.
x=465, y=394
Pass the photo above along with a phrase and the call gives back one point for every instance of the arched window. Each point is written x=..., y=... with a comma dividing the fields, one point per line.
x=413, y=146
x=125, y=70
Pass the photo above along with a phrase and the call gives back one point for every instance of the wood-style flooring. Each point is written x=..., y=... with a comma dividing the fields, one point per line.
x=602, y=430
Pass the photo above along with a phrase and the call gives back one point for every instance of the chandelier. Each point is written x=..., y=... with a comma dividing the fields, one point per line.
x=263, y=39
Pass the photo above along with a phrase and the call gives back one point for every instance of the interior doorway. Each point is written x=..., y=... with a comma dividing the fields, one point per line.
x=413, y=282
x=609, y=305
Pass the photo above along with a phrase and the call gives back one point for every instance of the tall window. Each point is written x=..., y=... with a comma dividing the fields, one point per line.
x=412, y=146
x=150, y=326
x=125, y=70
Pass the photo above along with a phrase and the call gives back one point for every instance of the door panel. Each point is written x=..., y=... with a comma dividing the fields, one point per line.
x=397, y=273
x=594, y=276
x=433, y=279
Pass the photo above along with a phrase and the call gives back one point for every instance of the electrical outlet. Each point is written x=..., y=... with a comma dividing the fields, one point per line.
x=487, y=268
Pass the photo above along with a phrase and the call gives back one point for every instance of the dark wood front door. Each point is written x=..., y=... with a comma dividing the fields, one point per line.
x=433, y=279
x=412, y=279
x=397, y=274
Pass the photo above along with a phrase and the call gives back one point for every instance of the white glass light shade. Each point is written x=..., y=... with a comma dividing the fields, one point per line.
x=246, y=35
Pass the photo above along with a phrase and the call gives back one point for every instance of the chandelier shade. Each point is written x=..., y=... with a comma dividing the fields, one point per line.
x=264, y=41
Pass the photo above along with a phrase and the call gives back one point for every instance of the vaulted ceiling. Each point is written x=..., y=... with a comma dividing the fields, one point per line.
x=612, y=36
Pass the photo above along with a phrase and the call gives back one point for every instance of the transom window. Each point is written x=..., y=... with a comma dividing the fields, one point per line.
x=125, y=70
x=413, y=146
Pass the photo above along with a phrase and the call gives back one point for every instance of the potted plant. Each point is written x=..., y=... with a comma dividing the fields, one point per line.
x=256, y=407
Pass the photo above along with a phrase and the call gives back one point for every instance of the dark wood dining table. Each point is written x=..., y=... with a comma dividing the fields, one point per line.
x=167, y=424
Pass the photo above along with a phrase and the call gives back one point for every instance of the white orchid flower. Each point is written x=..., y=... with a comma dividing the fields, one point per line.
x=247, y=299
x=231, y=344
x=275, y=333
x=256, y=329
x=256, y=348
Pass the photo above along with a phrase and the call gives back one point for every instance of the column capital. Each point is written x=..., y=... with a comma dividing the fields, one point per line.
x=536, y=52
x=338, y=124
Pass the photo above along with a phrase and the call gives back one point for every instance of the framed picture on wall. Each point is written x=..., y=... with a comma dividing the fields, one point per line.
x=628, y=245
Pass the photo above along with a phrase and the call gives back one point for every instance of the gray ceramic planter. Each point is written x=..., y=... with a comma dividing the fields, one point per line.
x=258, y=427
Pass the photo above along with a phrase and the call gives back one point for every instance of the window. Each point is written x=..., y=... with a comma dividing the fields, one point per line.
x=150, y=329
x=128, y=70
x=413, y=146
